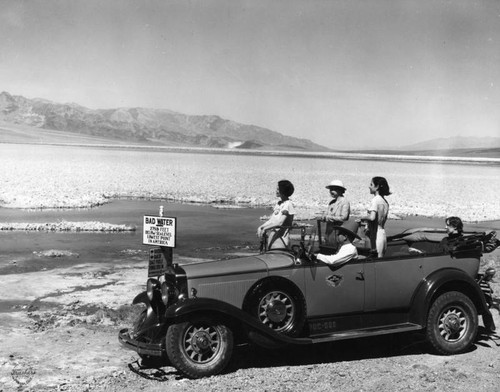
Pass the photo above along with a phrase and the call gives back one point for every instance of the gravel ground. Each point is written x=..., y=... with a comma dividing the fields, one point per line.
x=68, y=342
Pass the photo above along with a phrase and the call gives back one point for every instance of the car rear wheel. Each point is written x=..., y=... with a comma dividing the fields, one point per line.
x=452, y=323
x=278, y=307
x=200, y=347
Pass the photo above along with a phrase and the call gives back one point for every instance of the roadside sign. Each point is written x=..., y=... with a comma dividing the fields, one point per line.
x=159, y=230
x=157, y=264
x=159, y=261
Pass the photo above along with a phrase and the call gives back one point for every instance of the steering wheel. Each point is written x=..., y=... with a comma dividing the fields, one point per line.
x=296, y=249
x=308, y=251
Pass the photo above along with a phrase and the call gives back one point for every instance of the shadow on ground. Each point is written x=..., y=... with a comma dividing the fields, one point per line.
x=346, y=350
x=250, y=356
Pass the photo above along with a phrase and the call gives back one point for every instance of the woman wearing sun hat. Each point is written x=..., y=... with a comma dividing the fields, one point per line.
x=338, y=209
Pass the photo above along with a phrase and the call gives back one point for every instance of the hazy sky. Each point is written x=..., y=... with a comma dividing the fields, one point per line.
x=344, y=74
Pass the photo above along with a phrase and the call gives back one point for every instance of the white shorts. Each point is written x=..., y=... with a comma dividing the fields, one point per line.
x=381, y=242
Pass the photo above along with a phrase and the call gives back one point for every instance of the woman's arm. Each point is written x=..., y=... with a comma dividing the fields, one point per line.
x=344, y=254
x=272, y=223
x=372, y=212
x=372, y=216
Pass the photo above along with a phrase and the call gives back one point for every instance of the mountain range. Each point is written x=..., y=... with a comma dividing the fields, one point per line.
x=145, y=126
x=24, y=120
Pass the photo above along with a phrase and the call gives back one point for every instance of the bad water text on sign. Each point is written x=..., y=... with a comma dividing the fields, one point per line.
x=160, y=231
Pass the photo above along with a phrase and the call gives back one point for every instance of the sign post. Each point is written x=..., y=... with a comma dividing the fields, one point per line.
x=159, y=231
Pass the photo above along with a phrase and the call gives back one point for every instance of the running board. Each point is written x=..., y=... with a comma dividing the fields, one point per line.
x=361, y=333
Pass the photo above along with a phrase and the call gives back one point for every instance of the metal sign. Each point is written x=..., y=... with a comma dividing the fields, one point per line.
x=159, y=230
x=157, y=263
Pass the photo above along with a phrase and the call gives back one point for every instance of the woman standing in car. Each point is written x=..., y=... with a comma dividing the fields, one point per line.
x=377, y=215
x=278, y=225
x=338, y=210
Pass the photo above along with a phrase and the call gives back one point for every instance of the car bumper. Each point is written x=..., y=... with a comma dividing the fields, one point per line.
x=143, y=348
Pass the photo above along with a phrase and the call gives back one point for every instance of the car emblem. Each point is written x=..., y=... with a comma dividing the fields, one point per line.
x=334, y=280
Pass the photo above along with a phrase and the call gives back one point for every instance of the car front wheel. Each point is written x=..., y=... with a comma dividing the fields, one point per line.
x=200, y=347
x=279, y=308
x=452, y=323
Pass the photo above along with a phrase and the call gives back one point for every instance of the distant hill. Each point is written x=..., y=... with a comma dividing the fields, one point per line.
x=455, y=143
x=459, y=152
x=21, y=117
x=459, y=146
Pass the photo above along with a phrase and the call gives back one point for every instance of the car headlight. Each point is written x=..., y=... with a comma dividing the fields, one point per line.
x=151, y=286
x=165, y=293
x=489, y=274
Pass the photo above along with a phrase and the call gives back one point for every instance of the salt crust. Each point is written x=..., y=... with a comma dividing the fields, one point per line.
x=51, y=177
x=67, y=226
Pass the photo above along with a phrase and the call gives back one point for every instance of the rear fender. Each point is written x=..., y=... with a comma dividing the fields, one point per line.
x=444, y=280
x=184, y=309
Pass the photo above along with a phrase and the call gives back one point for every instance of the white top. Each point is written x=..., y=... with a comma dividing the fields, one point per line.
x=346, y=252
x=280, y=209
x=283, y=213
x=381, y=208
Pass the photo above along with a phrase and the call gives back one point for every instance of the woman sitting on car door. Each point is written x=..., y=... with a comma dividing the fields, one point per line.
x=283, y=212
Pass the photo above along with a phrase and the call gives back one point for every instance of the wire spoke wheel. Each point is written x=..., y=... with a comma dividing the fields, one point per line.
x=276, y=310
x=200, y=347
x=201, y=344
x=279, y=306
x=452, y=323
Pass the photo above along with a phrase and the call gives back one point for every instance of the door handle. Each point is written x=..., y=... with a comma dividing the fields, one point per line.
x=361, y=275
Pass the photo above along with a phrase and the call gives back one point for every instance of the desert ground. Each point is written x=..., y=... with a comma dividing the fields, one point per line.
x=66, y=294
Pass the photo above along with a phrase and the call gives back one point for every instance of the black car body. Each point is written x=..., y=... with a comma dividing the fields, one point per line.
x=195, y=313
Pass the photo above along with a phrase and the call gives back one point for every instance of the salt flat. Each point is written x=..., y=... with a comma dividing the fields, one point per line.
x=38, y=176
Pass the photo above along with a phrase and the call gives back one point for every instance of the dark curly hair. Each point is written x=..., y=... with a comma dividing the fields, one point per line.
x=383, y=186
x=286, y=188
x=455, y=222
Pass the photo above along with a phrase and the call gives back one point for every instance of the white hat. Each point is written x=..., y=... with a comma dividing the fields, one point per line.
x=336, y=184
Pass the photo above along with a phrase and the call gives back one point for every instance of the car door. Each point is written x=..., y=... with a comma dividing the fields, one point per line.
x=392, y=282
x=334, y=291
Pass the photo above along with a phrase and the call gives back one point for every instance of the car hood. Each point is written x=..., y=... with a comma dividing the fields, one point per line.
x=225, y=267
x=240, y=265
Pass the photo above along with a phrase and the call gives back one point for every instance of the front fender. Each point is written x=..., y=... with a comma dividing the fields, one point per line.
x=190, y=307
x=448, y=279
x=148, y=322
x=141, y=298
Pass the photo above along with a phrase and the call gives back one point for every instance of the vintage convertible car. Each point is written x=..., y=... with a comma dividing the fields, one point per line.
x=195, y=313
